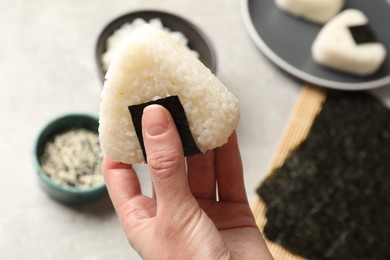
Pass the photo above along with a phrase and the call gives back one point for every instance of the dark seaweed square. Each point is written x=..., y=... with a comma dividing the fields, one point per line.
x=362, y=34
x=175, y=108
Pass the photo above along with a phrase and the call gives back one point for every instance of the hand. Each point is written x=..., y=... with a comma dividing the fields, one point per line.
x=201, y=213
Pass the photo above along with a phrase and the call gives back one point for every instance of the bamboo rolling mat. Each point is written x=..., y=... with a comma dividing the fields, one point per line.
x=308, y=106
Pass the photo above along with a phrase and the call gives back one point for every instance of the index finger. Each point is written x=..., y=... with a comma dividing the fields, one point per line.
x=201, y=175
x=229, y=171
x=121, y=181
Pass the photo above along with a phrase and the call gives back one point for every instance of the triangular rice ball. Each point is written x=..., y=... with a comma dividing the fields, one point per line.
x=347, y=43
x=147, y=66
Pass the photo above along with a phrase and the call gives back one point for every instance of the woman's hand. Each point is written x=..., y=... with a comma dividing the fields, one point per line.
x=197, y=212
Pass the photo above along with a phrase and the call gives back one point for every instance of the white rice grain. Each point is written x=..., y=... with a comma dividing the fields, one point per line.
x=126, y=29
x=150, y=64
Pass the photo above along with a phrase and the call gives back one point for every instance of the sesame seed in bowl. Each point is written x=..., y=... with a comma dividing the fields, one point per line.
x=67, y=158
x=73, y=158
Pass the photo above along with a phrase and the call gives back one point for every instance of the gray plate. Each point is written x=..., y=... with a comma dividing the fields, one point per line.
x=286, y=41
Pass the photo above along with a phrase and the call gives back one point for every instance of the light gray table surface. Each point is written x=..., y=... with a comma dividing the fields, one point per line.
x=47, y=69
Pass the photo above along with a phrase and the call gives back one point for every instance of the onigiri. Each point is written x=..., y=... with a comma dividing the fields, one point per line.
x=317, y=11
x=148, y=66
x=348, y=43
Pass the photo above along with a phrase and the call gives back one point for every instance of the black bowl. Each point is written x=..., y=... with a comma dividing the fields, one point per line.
x=197, y=41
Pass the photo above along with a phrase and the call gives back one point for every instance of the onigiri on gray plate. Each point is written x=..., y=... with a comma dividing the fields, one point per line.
x=286, y=40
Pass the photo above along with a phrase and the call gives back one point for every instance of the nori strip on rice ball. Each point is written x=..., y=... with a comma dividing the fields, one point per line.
x=331, y=197
x=175, y=108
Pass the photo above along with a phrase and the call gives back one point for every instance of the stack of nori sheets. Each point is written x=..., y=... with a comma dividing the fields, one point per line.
x=330, y=199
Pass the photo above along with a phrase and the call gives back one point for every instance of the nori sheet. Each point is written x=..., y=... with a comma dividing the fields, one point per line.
x=331, y=197
x=175, y=108
x=363, y=34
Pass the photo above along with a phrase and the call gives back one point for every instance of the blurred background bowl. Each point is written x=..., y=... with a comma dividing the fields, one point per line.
x=61, y=193
x=197, y=40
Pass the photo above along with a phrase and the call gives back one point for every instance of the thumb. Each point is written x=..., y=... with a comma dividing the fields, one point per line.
x=165, y=158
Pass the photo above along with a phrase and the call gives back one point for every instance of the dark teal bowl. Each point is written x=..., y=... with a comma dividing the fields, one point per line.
x=65, y=194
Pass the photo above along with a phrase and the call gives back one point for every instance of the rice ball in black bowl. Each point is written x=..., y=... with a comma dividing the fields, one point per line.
x=181, y=30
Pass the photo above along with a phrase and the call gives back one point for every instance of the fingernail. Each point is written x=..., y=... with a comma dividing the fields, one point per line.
x=155, y=120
